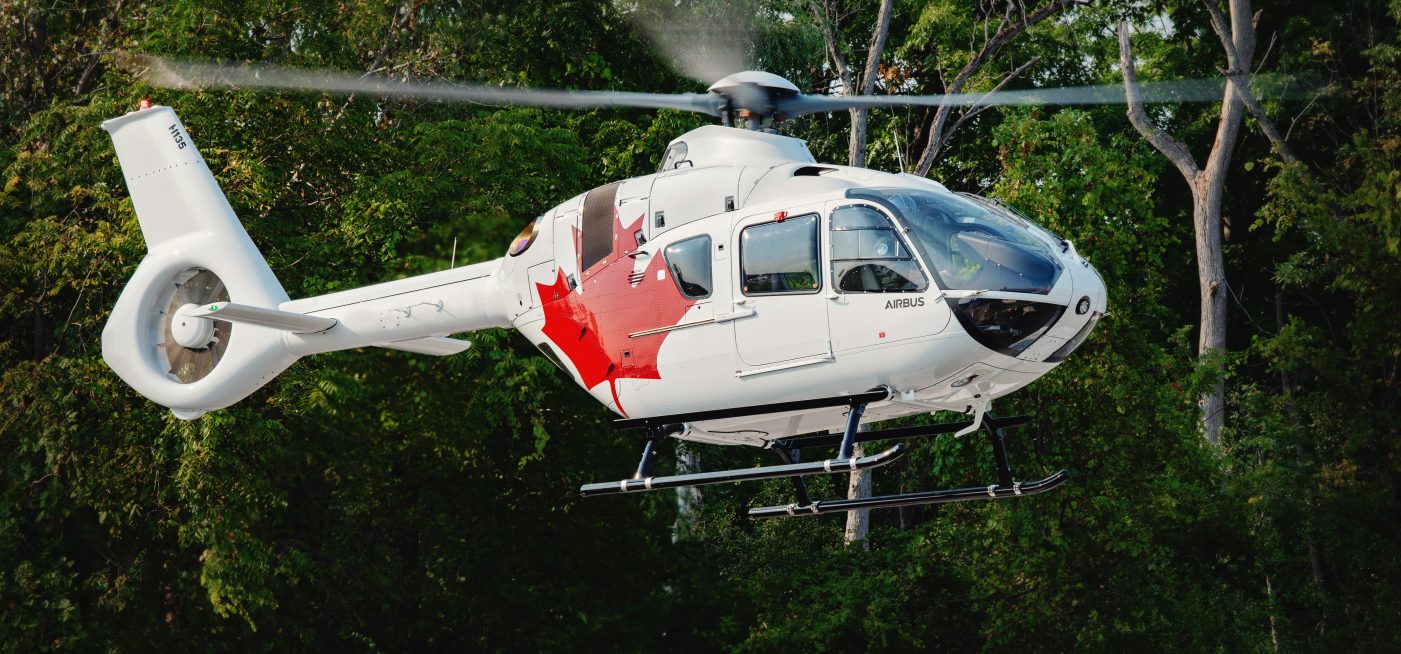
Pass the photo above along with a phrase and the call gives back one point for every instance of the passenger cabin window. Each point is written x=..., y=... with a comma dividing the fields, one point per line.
x=526, y=238
x=780, y=257
x=868, y=255
x=689, y=261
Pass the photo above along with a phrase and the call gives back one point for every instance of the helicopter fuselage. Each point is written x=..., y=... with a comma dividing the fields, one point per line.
x=745, y=273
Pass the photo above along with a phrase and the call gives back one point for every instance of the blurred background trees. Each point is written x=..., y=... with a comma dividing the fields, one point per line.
x=383, y=501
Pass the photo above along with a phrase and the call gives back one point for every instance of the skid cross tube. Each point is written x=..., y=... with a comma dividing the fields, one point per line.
x=830, y=440
x=880, y=394
x=1016, y=489
x=744, y=474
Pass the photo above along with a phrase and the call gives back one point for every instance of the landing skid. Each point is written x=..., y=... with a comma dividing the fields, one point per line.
x=850, y=464
x=945, y=496
x=787, y=449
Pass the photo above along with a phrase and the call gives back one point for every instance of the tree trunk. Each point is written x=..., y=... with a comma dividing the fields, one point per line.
x=1274, y=632
x=1286, y=390
x=1206, y=215
x=1208, y=186
x=688, y=498
x=860, y=82
x=1211, y=276
x=858, y=523
x=866, y=84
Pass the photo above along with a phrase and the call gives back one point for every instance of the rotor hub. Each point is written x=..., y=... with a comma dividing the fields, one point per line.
x=755, y=96
x=757, y=78
x=191, y=331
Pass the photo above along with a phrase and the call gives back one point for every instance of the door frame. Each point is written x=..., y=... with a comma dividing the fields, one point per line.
x=755, y=303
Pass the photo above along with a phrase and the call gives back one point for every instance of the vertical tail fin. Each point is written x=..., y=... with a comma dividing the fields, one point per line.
x=174, y=193
x=197, y=254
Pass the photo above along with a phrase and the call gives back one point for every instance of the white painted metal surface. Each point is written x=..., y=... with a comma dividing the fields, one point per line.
x=627, y=334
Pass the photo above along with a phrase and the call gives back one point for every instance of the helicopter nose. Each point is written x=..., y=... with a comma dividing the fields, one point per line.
x=1089, y=303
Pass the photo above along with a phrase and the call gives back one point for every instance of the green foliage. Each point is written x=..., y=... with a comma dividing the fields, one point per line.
x=379, y=500
x=1325, y=476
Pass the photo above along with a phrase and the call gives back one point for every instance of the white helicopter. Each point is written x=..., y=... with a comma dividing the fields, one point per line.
x=743, y=295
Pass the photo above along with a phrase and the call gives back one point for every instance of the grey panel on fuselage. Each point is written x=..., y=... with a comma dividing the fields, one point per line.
x=598, y=219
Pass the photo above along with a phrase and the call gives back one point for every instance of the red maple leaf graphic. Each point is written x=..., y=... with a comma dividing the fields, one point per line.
x=591, y=326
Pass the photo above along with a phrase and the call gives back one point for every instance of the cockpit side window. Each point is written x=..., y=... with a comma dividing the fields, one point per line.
x=689, y=261
x=675, y=154
x=780, y=257
x=868, y=255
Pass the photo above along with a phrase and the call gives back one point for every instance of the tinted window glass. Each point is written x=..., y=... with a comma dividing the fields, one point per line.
x=689, y=261
x=526, y=238
x=780, y=257
x=1007, y=326
x=970, y=245
x=675, y=154
x=868, y=256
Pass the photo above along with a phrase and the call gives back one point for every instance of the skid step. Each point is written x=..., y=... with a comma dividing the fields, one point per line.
x=745, y=474
x=1016, y=489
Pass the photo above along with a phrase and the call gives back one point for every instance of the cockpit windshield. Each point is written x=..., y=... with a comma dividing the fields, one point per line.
x=971, y=245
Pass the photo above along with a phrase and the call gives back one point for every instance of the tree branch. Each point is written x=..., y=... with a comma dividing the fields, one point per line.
x=873, y=55
x=1238, y=73
x=1007, y=30
x=1171, y=148
x=822, y=13
x=978, y=107
x=1232, y=109
x=109, y=26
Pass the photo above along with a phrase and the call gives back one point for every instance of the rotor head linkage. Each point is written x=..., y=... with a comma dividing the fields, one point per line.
x=754, y=96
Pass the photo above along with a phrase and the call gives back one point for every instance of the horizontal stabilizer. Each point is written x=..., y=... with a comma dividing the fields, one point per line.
x=297, y=323
x=435, y=345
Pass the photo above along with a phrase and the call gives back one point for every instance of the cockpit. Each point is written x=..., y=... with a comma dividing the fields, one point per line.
x=973, y=244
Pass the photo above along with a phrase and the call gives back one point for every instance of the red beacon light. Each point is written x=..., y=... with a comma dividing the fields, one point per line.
x=779, y=216
x=144, y=104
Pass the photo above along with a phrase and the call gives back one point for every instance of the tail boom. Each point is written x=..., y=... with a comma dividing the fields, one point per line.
x=433, y=305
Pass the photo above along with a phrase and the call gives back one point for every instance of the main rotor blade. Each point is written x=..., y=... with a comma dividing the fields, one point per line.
x=1151, y=92
x=176, y=74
